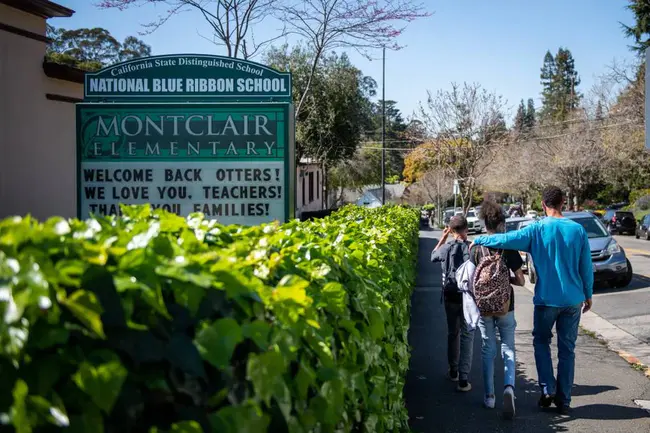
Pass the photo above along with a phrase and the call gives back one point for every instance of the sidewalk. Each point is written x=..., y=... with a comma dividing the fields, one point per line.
x=603, y=395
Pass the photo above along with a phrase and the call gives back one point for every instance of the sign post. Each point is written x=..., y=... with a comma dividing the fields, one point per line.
x=188, y=133
x=647, y=100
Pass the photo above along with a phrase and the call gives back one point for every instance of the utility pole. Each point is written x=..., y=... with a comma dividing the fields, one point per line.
x=383, y=128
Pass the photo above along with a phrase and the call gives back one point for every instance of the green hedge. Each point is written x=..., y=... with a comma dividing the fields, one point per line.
x=154, y=323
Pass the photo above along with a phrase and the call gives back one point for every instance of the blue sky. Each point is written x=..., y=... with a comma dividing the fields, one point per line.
x=497, y=43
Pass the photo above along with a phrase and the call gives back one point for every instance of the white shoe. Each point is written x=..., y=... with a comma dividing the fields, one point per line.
x=509, y=403
x=489, y=401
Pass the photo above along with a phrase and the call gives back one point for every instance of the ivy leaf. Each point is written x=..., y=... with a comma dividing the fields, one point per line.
x=258, y=331
x=239, y=419
x=86, y=307
x=217, y=342
x=103, y=382
x=265, y=371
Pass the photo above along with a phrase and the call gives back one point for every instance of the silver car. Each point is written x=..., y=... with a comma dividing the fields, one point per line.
x=610, y=263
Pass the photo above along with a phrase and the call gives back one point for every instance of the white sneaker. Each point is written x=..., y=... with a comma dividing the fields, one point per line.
x=509, y=403
x=489, y=401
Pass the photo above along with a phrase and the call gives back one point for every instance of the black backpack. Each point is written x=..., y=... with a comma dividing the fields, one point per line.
x=457, y=255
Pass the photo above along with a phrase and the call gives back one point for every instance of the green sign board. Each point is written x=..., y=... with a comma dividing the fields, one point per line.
x=233, y=161
x=190, y=77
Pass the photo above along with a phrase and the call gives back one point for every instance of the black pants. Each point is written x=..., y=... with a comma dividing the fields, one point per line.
x=460, y=340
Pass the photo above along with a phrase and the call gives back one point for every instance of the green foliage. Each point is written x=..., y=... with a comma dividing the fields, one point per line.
x=637, y=194
x=92, y=49
x=392, y=179
x=640, y=30
x=337, y=107
x=154, y=323
x=559, y=83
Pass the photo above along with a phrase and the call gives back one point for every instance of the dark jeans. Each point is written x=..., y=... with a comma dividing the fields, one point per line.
x=460, y=340
x=566, y=321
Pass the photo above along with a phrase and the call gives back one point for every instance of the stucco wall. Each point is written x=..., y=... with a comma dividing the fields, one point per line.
x=37, y=136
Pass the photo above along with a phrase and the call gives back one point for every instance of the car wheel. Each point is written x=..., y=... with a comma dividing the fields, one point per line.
x=637, y=235
x=624, y=281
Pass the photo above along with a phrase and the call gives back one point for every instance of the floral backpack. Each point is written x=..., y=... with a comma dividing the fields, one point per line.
x=492, y=284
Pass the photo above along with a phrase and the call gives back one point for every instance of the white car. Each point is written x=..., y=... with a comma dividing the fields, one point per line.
x=473, y=223
x=532, y=214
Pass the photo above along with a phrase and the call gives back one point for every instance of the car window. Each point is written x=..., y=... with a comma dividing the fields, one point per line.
x=470, y=215
x=624, y=214
x=512, y=225
x=647, y=219
x=593, y=227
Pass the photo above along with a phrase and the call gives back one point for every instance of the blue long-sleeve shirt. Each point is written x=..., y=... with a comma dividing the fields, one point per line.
x=561, y=255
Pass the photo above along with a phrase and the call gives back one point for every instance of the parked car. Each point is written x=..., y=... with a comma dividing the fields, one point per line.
x=532, y=214
x=620, y=222
x=643, y=229
x=447, y=215
x=516, y=224
x=473, y=223
x=610, y=264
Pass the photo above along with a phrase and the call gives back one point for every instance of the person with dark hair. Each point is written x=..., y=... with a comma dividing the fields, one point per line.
x=460, y=338
x=495, y=220
x=562, y=256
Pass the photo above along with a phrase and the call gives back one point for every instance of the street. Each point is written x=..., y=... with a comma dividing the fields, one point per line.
x=628, y=308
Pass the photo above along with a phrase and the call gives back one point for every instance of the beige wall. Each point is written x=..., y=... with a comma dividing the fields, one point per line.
x=302, y=178
x=37, y=135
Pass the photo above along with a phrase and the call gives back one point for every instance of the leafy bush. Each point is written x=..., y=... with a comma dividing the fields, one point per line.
x=637, y=194
x=153, y=323
x=428, y=207
x=643, y=203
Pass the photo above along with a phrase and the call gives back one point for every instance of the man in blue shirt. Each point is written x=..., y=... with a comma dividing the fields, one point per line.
x=562, y=257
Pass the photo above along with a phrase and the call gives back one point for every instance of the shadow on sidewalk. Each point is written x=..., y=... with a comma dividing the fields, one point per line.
x=433, y=403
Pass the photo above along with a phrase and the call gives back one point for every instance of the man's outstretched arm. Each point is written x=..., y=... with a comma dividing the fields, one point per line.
x=518, y=240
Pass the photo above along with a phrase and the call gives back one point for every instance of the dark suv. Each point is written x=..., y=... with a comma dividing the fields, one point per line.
x=621, y=222
x=644, y=228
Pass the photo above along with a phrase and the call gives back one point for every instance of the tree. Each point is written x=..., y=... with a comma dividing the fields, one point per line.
x=92, y=49
x=361, y=24
x=467, y=129
x=530, y=116
x=640, y=30
x=599, y=111
x=559, y=82
x=397, y=136
x=231, y=21
x=338, y=109
x=520, y=117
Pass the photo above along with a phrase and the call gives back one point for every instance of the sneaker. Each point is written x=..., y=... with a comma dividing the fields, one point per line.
x=489, y=401
x=564, y=409
x=452, y=375
x=464, y=386
x=546, y=400
x=509, y=403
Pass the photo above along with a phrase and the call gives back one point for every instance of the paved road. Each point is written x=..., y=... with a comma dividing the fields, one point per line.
x=603, y=394
x=629, y=308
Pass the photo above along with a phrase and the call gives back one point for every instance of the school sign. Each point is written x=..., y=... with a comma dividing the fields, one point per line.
x=188, y=133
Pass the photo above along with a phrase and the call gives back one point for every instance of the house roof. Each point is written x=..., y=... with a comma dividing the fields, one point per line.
x=63, y=72
x=41, y=8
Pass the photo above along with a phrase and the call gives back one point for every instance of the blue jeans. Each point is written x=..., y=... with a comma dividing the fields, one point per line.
x=488, y=326
x=566, y=321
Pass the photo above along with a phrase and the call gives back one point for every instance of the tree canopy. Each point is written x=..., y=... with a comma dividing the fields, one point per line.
x=92, y=49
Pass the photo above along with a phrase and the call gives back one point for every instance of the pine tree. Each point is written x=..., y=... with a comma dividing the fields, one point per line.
x=560, y=80
x=599, y=111
x=529, y=118
x=640, y=30
x=520, y=118
x=547, y=76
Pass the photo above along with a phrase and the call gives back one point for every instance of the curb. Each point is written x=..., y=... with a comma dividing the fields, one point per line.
x=634, y=351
